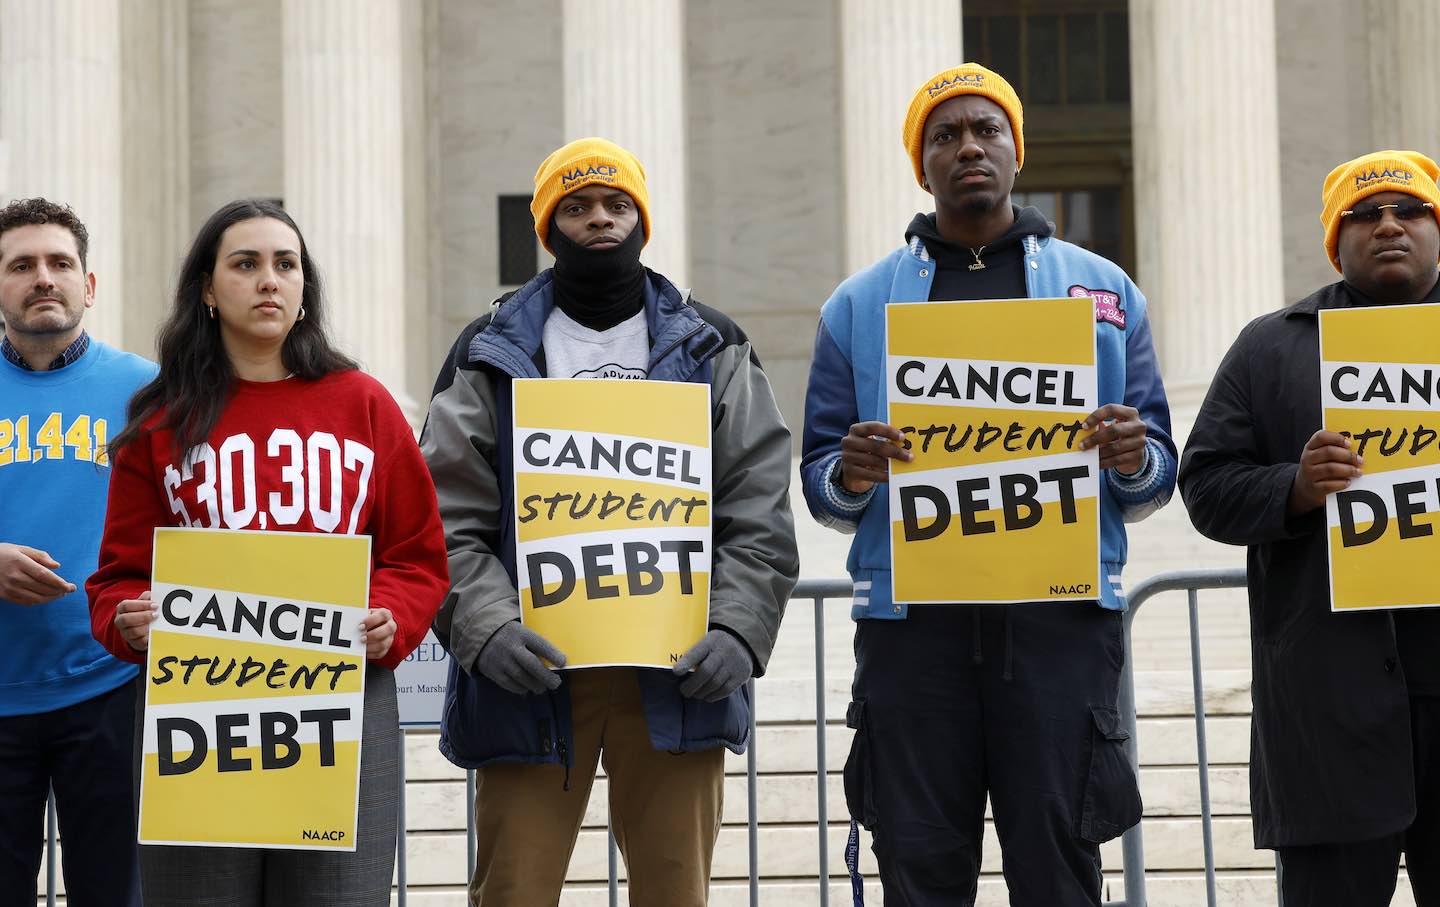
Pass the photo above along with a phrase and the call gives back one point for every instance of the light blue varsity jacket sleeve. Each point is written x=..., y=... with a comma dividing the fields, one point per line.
x=830, y=410
x=1145, y=492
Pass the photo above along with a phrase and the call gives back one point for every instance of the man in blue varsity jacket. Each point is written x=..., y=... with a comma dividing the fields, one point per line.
x=67, y=708
x=953, y=703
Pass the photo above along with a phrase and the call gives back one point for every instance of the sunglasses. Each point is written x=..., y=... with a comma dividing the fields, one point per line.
x=1371, y=214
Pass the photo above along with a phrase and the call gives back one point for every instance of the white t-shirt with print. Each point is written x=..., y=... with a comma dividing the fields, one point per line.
x=575, y=351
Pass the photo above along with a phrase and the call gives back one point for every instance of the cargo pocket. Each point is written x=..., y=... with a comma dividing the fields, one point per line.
x=1112, y=793
x=859, y=790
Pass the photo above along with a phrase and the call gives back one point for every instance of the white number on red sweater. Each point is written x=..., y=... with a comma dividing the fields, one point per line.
x=311, y=475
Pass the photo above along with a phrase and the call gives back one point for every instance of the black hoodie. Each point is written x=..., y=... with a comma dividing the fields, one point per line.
x=1003, y=276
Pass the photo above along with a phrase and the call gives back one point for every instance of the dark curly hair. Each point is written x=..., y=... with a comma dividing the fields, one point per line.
x=24, y=212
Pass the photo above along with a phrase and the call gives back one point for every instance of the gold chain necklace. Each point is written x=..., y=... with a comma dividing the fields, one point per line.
x=978, y=265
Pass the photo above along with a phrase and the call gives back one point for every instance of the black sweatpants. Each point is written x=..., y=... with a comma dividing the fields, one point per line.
x=1364, y=873
x=83, y=751
x=1016, y=701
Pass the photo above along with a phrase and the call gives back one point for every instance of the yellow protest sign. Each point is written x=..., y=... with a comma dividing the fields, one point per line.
x=612, y=517
x=255, y=689
x=1380, y=386
x=1000, y=504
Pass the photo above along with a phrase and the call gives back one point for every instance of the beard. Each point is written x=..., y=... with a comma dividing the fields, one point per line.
x=50, y=322
x=979, y=204
x=1395, y=285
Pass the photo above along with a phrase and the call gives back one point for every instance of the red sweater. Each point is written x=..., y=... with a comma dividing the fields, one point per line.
x=333, y=455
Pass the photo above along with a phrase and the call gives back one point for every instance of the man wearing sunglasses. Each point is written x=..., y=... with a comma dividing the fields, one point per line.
x=1345, y=752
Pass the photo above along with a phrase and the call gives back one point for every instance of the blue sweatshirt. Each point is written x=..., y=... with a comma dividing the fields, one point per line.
x=847, y=385
x=54, y=478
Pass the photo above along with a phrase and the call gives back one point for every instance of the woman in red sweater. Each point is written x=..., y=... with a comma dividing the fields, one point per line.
x=256, y=422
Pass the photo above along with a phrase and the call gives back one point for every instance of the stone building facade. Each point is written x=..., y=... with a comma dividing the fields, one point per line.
x=1186, y=140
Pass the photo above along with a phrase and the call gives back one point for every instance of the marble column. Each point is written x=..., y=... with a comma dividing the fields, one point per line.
x=1404, y=74
x=1323, y=120
x=156, y=160
x=237, y=144
x=887, y=50
x=344, y=171
x=1207, y=186
x=624, y=80
x=60, y=119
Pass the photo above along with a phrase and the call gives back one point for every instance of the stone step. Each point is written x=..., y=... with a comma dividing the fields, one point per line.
x=1157, y=694
x=786, y=759
x=788, y=808
x=791, y=799
x=790, y=748
x=791, y=852
x=1239, y=889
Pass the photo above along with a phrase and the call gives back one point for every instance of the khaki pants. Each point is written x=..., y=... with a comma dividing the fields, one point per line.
x=664, y=807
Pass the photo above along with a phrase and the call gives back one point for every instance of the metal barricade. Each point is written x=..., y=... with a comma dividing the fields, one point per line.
x=612, y=856
x=1132, y=843
x=818, y=592
x=51, y=837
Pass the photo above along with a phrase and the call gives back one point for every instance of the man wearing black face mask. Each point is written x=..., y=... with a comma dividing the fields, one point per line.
x=536, y=735
x=598, y=328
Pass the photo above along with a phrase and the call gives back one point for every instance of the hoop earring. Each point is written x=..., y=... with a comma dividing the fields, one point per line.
x=211, y=310
x=302, y=314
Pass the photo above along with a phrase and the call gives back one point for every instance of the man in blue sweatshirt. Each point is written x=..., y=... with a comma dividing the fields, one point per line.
x=67, y=708
x=954, y=703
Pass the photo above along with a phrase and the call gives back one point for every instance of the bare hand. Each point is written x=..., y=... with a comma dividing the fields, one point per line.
x=864, y=453
x=133, y=618
x=1120, y=435
x=1327, y=464
x=28, y=577
x=378, y=628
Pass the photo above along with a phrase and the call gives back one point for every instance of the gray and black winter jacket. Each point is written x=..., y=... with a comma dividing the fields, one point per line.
x=467, y=444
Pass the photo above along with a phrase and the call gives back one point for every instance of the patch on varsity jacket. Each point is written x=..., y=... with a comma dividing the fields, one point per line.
x=1107, y=305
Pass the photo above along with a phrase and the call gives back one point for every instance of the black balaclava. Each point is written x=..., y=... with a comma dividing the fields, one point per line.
x=598, y=288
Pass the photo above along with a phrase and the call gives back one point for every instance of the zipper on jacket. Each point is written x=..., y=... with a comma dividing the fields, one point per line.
x=549, y=743
x=565, y=760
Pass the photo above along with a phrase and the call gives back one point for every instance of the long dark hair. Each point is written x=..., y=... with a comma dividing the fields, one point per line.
x=196, y=378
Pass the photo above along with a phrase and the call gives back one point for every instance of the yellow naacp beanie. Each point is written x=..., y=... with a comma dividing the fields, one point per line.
x=1381, y=171
x=587, y=162
x=967, y=78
